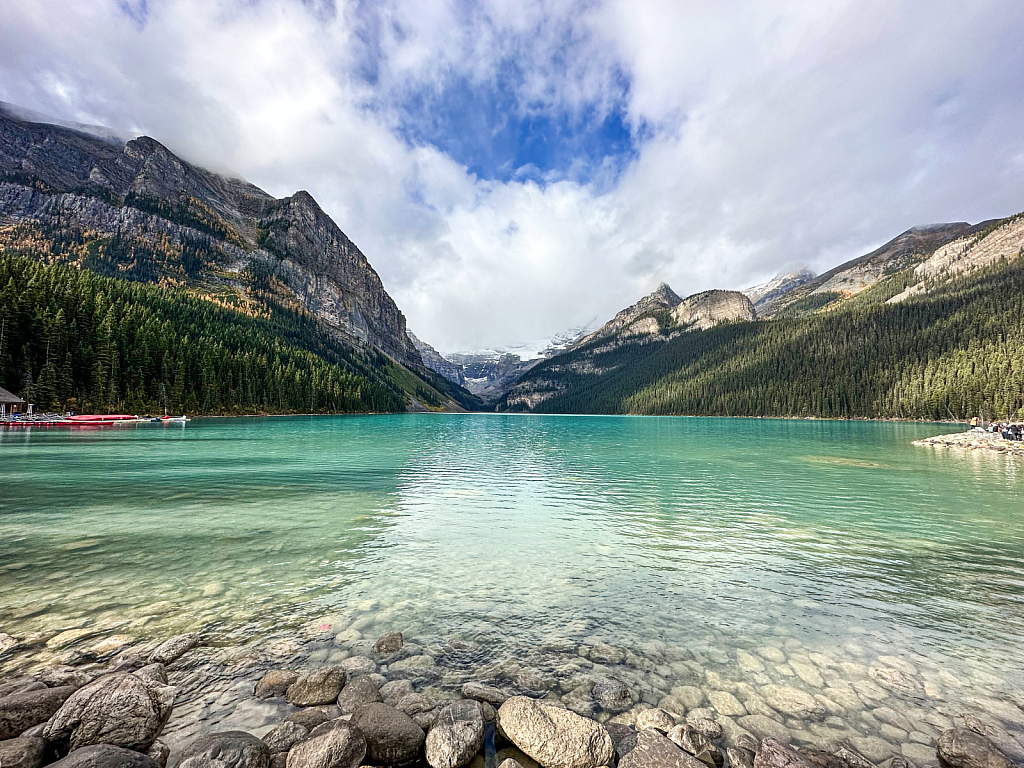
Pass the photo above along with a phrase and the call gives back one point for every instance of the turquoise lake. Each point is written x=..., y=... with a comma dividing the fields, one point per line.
x=496, y=536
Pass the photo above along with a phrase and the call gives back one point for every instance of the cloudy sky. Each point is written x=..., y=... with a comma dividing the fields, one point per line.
x=514, y=168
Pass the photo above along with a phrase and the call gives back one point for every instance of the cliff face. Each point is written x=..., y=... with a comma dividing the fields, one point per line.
x=436, y=362
x=706, y=310
x=69, y=181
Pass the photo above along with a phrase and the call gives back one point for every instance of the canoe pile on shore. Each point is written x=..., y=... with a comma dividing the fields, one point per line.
x=976, y=440
x=366, y=711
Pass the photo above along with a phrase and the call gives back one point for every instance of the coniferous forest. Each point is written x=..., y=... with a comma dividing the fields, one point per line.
x=954, y=353
x=74, y=340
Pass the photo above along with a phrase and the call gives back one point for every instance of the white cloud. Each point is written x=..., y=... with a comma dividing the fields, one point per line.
x=779, y=133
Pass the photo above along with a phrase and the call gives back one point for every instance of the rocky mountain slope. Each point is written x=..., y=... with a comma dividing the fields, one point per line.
x=931, y=325
x=63, y=179
x=134, y=210
x=905, y=250
x=658, y=317
x=436, y=362
x=488, y=373
x=766, y=295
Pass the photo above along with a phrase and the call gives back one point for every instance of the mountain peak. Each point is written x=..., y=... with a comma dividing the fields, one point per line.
x=665, y=293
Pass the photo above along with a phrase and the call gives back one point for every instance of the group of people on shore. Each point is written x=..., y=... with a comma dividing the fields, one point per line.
x=1006, y=430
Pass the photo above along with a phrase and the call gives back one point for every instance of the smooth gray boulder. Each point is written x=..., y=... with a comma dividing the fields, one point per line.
x=174, y=648
x=20, y=711
x=358, y=692
x=614, y=695
x=391, y=642
x=275, y=684
x=456, y=735
x=228, y=749
x=340, y=746
x=392, y=738
x=963, y=748
x=320, y=686
x=119, y=709
x=284, y=737
x=23, y=752
x=553, y=736
x=654, y=750
x=773, y=754
x=488, y=693
x=510, y=762
x=105, y=756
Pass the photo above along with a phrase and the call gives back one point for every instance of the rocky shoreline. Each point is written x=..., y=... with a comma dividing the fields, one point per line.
x=381, y=704
x=976, y=440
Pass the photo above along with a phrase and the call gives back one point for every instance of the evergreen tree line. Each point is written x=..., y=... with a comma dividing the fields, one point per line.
x=952, y=354
x=71, y=339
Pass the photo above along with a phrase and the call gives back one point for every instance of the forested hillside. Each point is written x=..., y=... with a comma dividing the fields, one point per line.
x=72, y=339
x=954, y=352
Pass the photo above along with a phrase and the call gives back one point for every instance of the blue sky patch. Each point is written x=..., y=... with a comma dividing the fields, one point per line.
x=487, y=129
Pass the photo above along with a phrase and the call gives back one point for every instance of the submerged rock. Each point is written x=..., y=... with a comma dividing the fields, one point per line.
x=392, y=738
x=493, y=696
x=20, y=711
x=321, y=686
x=340, y=746
x=614, y=696
x=456, y=735
x=105, y=756
x=175, y=648
x=414, y=666
x=229, y=749
x=119, y=709
x=794, y=702
x=554, y=737
x=275, y=683
x=395, y=690
x=391, y=642
x=963, y=748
